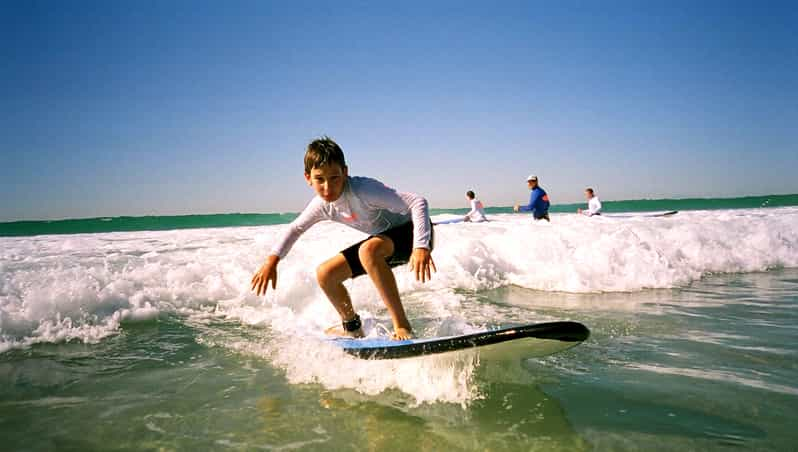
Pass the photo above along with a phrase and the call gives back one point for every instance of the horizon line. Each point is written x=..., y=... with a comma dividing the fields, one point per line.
x=100, y=217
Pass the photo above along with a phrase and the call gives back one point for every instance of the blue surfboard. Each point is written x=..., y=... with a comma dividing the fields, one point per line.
x=452, y=221
x=538, y=339
x=641, y=214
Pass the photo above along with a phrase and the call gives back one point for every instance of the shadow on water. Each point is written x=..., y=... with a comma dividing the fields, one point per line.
x=508, y=416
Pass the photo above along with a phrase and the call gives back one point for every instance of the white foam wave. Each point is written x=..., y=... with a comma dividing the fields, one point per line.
x=442, y=378
x=581, y=254
x=82, y=287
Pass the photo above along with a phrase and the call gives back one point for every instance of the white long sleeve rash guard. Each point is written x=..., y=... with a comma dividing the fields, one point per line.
x=367, y=205
x=593, y=207
x=477, y=213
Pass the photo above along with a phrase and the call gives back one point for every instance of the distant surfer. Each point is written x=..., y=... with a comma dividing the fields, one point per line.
x=538, y=201
x=593, y=204
x=477, y=213
x=399, y=231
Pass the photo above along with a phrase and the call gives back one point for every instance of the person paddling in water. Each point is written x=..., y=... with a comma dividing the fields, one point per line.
x=477, y=212
x=398, y=224
x=538, y=200
x=593, y=204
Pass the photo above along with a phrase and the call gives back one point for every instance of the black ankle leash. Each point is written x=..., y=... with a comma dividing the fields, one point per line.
x=352, y=325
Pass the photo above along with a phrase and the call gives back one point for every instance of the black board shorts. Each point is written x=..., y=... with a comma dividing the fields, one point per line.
x=402, y=238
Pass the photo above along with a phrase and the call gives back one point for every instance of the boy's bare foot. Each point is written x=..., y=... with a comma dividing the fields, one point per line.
x=338, y=330
x=402, y=334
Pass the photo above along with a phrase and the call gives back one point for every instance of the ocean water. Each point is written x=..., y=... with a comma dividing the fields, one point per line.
x=171, y=222
x=140, y=340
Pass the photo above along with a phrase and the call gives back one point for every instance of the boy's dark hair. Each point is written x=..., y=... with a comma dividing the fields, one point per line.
x=322, y=152
x=589, y=190
x=470, y=194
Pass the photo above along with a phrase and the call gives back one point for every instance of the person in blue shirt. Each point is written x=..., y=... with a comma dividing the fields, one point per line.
x=538, y=200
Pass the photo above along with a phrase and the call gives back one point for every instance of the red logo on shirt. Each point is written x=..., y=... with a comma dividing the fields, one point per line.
x=349, y=218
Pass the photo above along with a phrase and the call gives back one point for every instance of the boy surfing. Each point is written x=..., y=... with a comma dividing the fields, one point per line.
x=399, y=231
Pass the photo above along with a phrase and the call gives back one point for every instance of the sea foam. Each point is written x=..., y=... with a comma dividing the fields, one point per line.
x=83, y=287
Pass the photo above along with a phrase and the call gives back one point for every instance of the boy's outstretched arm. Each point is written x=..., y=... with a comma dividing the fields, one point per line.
x=311, y=215
x=266, y=273
x=421, y=261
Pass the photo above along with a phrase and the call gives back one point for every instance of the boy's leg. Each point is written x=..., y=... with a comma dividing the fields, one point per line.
x=331, y=274
x=373, y=253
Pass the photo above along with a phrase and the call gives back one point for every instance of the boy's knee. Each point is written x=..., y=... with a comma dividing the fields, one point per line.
x=369, y=252
x=323, y=274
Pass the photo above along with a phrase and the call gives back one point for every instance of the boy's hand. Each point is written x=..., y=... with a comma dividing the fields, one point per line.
x=516, y=208
x=420, y=263
x=267, y=272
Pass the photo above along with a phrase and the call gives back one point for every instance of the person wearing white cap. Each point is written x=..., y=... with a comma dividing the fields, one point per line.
x=538, y=200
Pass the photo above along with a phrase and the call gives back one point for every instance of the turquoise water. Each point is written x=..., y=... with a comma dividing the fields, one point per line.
x=711, y=366
x=164, y=223
x=147, y=223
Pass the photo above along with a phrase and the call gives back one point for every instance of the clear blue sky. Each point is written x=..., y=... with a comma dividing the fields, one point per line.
x=168, y=107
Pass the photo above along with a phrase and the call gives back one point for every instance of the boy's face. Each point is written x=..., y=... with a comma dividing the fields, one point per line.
x=588, y=195
x=327, y=181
